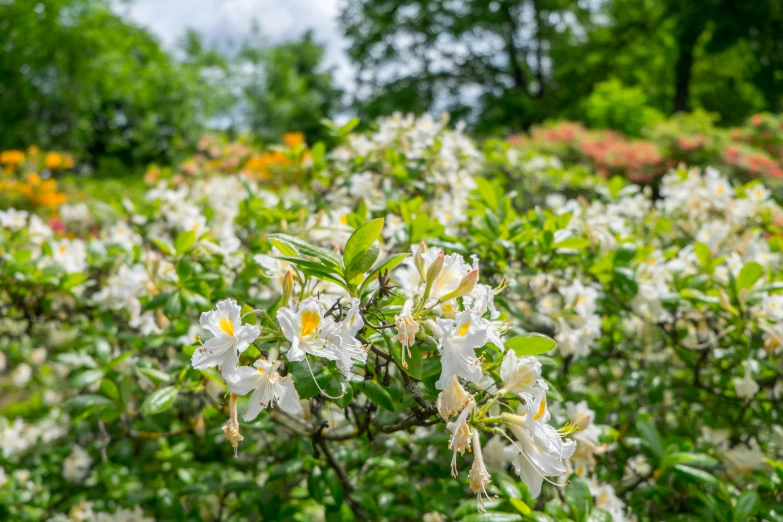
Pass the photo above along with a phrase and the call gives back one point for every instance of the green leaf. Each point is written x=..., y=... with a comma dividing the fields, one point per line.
x=343, y=393
x=703, y=254
x=160, y=400
x=531, y=344
x=574, y=243
x=520, y=506
x=283, y=248
x=650, y=435
x=82, y=402
x=184, y=241
x=748, y=505
x=578, y=498
x=303, y=247
x=749, y=274
x=85, y=378
x=165, y=247
x=335, y=486
x=360, y=241
x=487, y=192
x=376, y=394
x=625, y=280
x=413, y=361
x=364, y=261
x=110, y=389
x=492, y=517
x=316, y=485
x=156, y=376
x=698, y=475
x=692, y=459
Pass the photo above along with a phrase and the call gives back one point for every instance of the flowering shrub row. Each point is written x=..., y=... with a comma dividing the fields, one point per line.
x=378, y=329
x=752, y=151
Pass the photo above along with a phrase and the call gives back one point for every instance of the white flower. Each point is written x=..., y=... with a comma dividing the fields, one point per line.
x=461, y=435
x=122, y=235
x=583, y=418
x=230, y=339
x=273, y=268
x=38, y=230
x=449, y=277
x=606, y=499
x=309, y=331
x=494, y=454
x=13, y=219
x=581, y=298
x=479, y=476
x=540, y=451
x=345, y=337
x=746, y=387
x=773, y=306
x=522, y=376
x=269, y=388
x=70, y=254
x=453, y=399
x=76, y=466
x=457, y=349
x=21, y=375
x=76, y=213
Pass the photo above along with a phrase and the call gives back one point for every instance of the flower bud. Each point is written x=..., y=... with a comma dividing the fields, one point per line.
x=432, y=273
x=418, y=260
x=288, y=288
x=465, y=286
x=434, y=270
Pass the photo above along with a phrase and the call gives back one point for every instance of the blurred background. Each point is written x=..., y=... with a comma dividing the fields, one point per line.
x=122, y=84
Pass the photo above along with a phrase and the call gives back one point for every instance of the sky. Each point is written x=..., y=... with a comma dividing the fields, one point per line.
x=228, y=22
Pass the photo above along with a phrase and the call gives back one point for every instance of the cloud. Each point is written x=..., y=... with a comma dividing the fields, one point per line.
x=226, y=23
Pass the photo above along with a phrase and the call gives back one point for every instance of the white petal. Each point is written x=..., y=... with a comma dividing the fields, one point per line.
x=287, y=396
x=287, y=319
x=244, y=380
x=253, y=406
x=245, y=335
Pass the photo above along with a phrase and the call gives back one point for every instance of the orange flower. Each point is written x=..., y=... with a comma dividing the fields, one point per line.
x=53, y=160
x=11, y=158
x=292, y=139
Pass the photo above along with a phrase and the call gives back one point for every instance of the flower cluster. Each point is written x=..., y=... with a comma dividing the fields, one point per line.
x=402, y=305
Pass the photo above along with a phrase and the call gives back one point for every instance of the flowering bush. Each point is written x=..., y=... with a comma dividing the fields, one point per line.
x=390, y=331
x=753, y=151
x=25, y=178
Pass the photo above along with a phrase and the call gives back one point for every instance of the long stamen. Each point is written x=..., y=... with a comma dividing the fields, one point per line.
x=522, y=452
x=318, y=385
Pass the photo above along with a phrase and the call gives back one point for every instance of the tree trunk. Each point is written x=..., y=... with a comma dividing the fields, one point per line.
x=686, y=45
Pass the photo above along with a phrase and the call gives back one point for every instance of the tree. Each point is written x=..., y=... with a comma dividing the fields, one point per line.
x=287, y=89
x=489, y=61
x=76, y=76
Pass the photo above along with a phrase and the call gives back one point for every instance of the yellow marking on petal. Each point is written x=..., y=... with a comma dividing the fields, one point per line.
x=464, y=328
x=343, y=220
x=261, y=371
x=541, y=409
x=227, y=325
x=447, y=308
x=62, y=249
x=310, y=321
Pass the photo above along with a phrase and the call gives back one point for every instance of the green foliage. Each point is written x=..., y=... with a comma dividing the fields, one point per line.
x=75, y=76
x=614, y=106
x=288, y=89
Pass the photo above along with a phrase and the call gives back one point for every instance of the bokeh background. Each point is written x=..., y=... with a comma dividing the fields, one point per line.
x=122, y=84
